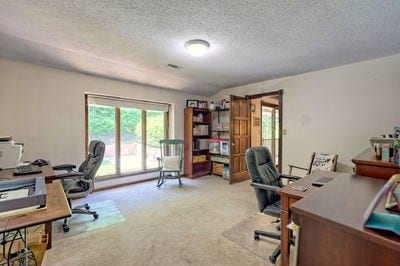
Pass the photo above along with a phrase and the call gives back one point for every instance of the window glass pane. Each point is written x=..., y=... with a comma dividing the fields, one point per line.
x=131, y=140
x=266, y=127
x=155, y=129
x=102, y=127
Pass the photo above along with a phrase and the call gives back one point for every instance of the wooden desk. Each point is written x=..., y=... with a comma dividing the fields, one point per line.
x=288, y=197
x=367, y=165
x=331, y=225
x=56, y=208
x=48, y=173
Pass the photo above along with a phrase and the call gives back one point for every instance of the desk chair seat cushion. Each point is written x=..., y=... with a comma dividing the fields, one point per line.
x=273, y=209
x=74, y=186
x=171, y=163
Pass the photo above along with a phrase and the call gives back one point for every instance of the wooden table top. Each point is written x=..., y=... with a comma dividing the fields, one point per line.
x=47, y=172
x=307, y=181
x=342, y=203
x=56, y=208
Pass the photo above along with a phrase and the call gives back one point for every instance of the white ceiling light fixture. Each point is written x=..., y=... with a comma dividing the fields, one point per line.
x=197, y=47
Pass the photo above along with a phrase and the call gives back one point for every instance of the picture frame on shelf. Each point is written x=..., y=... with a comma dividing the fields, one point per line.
x=192, y=103
x=203, y=104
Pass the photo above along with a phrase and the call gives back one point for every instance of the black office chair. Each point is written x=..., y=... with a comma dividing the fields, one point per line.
x=266, y=181
x=79, y=184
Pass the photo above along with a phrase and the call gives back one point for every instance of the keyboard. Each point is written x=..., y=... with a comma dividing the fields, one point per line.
x=27, y=169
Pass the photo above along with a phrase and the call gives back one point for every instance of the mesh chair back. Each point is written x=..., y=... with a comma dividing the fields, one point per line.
x=263, y=171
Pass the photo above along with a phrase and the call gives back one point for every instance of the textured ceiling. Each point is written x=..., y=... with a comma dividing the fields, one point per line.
x=250, y=40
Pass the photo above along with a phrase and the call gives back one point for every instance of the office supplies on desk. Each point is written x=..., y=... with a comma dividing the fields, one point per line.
x=22, y=193
x=40, y=162
x=321, y=181
x=299, y=187
x=27, y=170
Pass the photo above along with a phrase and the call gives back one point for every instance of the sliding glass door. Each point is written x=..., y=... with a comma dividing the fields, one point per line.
x=131, y=140
x=101, y=126
x=131, y=131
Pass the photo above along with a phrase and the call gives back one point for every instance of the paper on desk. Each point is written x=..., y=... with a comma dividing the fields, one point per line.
x=14, y=194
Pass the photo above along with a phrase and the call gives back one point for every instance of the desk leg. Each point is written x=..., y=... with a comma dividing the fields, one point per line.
x=285, y=236
x=48, y=230
x=47, y=227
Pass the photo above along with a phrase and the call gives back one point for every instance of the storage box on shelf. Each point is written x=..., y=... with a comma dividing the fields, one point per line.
x=196, y=135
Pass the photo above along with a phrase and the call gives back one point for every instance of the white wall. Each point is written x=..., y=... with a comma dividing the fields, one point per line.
x=334, y=110
x=45, y=108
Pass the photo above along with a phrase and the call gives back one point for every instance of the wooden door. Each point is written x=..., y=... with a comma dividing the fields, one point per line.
x=239, y=137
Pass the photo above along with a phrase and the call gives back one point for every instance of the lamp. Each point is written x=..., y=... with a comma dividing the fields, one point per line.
x=197, y=47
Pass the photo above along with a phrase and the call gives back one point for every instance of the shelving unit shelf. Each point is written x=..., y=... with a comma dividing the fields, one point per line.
x=196, y=134
x=220, y=130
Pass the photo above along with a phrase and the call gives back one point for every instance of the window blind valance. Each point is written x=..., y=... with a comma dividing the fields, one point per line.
x=96, y=99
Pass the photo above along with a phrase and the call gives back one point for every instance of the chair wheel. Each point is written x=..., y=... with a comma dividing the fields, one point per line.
x=272, y=259
x=87, y=207
x=65, y=228
x=256, y=237
x=95, y=216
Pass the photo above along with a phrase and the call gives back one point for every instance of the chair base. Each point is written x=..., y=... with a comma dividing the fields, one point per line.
x=277, y=251
x=163, y=176
x=81, y=209
x=277, y=236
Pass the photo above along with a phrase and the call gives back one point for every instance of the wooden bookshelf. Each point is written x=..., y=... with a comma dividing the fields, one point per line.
x=194, y=120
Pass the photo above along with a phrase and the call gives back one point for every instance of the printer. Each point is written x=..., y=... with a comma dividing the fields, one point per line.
x=22, y=194
x=10, y=153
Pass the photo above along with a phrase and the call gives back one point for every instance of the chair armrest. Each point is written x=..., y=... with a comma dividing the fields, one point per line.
x=291, y=166
x=265, y=187
x=69, y=175
x=290, y=177
x=298, y=167
x=67, y=167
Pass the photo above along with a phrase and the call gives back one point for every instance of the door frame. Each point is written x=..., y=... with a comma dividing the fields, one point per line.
x=278, y=93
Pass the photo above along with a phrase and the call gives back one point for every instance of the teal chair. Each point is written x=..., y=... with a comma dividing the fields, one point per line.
x=170, y=160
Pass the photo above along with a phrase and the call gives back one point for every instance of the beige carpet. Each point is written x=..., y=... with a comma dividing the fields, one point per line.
x=243, y=235
x=107, y=210
x=167, y=226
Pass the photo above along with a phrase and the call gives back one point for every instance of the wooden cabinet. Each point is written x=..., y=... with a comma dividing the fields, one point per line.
x=196, y=134
x=367, y=165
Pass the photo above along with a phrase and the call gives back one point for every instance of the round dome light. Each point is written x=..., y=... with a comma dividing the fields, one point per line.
x=197, y=47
